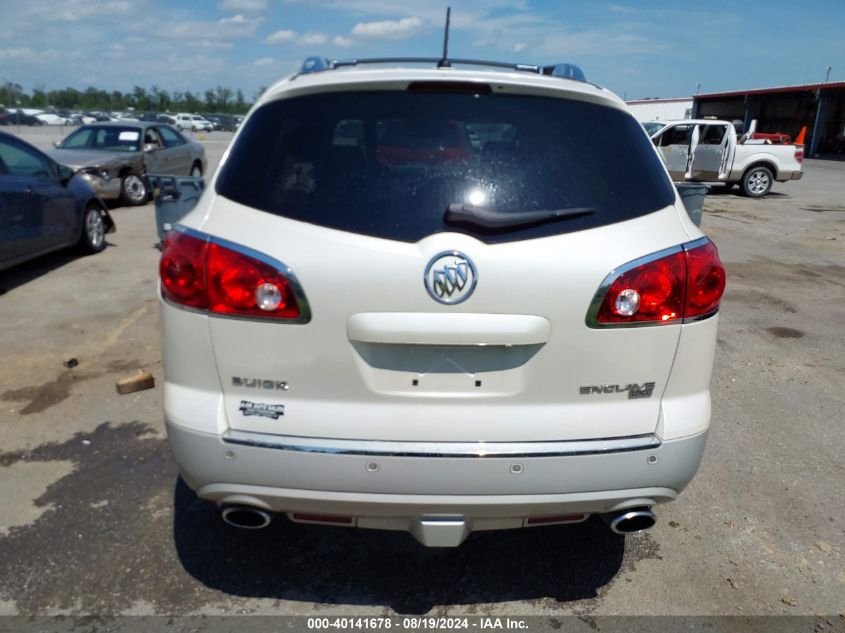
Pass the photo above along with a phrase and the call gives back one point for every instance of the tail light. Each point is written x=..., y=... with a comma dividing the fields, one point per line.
x=216, y=276
x=676, y=285
x=799, y=153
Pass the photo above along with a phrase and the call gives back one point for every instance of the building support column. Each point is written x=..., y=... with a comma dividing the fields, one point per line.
x=822, y=111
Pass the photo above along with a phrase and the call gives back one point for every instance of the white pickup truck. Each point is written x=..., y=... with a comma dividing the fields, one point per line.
x=705, y=150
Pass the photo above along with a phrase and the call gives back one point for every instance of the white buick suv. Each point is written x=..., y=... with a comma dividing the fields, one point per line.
x=439, y=299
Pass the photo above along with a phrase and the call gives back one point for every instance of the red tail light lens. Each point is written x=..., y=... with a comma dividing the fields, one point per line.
x=181, y=270
x=799, y=154
x=686, y=282
x=705, y=280
x=652, y=291
x=199, y=272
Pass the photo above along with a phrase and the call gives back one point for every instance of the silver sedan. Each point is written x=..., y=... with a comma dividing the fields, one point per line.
x=116, y=157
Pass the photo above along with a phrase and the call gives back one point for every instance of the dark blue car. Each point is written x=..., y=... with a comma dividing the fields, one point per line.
x=43, y=207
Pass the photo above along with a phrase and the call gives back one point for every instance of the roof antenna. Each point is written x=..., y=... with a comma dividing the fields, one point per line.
x=444, y=62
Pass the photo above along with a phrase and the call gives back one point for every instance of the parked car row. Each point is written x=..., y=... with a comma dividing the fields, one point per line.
x=182, y=121
x=225, y=122
x=193, y=122
x=18, y=117
x=30, y=116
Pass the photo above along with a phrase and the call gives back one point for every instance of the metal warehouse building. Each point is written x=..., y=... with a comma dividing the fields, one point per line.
x=819, y=107
x=661, y=109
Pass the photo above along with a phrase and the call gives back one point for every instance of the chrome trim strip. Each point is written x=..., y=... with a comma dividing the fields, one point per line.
x=442, y=449
x=287, y=271
x=701, y=241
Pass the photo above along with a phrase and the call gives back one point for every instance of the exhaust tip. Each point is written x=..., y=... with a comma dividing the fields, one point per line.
x=245, y=517
x=632, y=521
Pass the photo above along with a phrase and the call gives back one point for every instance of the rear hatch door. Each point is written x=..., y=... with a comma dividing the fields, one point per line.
x=424, y=329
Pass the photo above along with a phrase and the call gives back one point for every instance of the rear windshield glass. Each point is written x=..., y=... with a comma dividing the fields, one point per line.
x=389, y=164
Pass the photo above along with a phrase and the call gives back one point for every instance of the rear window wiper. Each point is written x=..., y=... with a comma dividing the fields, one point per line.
x=459, y=213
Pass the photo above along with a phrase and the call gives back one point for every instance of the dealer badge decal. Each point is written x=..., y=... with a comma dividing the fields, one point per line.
x=263, y=409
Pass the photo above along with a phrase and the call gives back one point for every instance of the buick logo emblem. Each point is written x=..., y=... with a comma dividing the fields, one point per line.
x=450, y=277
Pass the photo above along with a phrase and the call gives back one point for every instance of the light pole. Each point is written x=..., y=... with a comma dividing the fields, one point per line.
x=827, y=74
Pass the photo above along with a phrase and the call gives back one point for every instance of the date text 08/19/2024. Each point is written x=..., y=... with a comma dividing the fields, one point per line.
x=416, y=623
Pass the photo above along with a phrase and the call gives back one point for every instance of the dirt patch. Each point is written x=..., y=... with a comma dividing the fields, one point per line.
x=42, y=397
x=764, y=268
x=817, y=208
x=785, y=332
x=753, y=297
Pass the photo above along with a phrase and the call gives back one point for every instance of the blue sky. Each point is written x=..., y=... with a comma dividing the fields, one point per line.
x=635, y=48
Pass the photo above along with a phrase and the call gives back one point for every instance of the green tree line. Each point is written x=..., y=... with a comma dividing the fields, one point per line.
x=220, y=99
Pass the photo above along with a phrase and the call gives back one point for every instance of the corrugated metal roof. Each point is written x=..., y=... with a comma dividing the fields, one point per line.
x=773, y=89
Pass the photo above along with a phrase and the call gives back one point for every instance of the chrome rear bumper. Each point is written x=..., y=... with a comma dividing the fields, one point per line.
x=363, y=478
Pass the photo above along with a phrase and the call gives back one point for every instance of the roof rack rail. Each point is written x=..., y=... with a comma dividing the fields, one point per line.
x=566, y=71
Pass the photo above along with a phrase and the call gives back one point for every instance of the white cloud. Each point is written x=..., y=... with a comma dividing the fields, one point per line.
x=313, y=39
x=620, y=8
x=519, y=46
x=281, y=37
x=571, y=45
x=118, y=7
x=71, y=10
x=116, y=51
x=243, y=5
x=210, y=44
x=28, y=55
x=264, y=61
x=224, y=30
x=343, y=42
x=389, y=29
x=503, y=25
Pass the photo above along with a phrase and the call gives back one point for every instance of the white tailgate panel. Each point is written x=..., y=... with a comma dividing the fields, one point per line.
x=358, y=370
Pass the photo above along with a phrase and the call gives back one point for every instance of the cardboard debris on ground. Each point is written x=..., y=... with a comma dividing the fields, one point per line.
x=138, y=382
